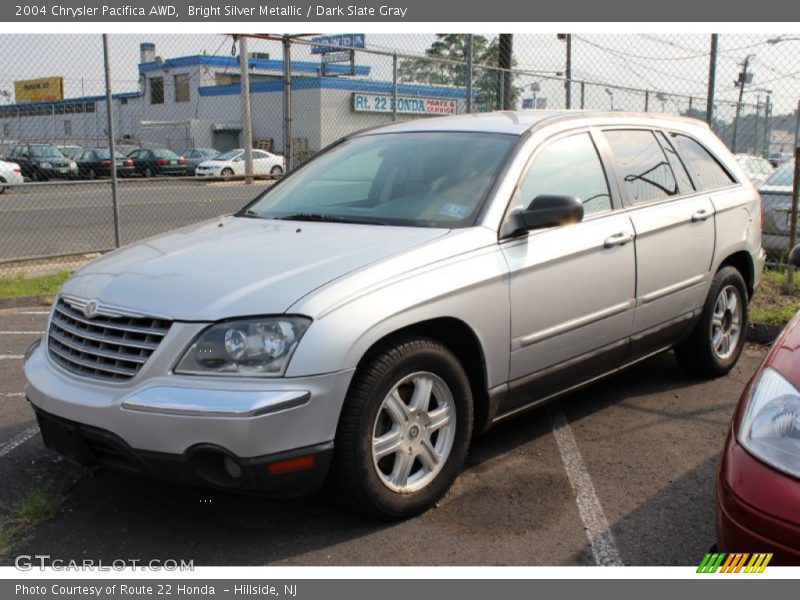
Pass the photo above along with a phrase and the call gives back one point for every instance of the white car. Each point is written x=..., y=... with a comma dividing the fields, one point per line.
x=232, y=163
x=10, y=173
x=758, y=169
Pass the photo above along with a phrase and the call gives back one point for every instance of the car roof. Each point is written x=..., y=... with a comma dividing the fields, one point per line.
x=519, y=122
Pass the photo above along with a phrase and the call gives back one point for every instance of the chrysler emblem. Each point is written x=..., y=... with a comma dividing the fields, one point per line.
x=90, y=309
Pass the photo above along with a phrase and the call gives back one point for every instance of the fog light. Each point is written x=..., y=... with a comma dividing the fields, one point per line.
x=231, y=468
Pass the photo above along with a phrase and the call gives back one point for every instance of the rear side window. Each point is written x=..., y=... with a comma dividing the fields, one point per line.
x=568, y=166
x=705, y=171
x=643, y=165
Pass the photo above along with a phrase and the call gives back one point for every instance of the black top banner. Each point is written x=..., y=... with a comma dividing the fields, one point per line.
x=412, y=11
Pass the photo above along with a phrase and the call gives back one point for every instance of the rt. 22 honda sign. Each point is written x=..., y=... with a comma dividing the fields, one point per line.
x=382, y=103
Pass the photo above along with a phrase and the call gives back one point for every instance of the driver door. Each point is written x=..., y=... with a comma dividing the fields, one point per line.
x=573, y=287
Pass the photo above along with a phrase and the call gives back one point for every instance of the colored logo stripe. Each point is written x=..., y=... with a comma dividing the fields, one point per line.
x=734, y=563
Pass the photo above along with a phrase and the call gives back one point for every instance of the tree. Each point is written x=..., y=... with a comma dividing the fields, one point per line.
x=453, y=47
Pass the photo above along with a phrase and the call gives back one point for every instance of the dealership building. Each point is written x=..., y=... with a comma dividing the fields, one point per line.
x=195, y=101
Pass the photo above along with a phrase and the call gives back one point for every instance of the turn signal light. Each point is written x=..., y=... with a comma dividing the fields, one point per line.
x=291, y=464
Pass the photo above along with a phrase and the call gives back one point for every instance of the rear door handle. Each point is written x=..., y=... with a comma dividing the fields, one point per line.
x=700, y=215
x=618, y=239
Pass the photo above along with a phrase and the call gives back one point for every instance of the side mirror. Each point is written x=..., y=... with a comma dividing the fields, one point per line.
x=794, y=256
x=550, y=210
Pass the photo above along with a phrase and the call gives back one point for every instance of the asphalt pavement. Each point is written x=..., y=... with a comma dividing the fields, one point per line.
x=621, y=472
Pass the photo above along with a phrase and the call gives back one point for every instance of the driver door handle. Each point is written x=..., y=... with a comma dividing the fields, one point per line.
x=700, y=215
x=618, y=239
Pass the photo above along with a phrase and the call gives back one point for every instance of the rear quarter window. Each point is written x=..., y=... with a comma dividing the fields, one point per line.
x=705, y=171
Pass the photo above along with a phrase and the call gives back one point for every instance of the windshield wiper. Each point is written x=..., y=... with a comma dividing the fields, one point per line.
x=249, y=213
x=327, y=219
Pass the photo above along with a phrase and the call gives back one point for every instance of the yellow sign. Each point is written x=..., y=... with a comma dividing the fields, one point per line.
x=39, y=90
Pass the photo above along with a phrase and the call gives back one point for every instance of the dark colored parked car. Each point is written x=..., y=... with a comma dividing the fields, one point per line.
x=148, y=162
x=197, y=155
x=71, y=152
x=96, y=162
x=758, y=482
x=40, y=162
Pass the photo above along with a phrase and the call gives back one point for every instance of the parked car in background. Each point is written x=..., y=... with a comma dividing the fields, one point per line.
x=758, y=481
x=195, y=156
x=160, y=161
x=776, y=200
x=411, y=286
x=758, y=169
x=10, y=173
x=71, y=152
x=96, y=162
x=40, y=162
x=232, y=163
x=776, y=159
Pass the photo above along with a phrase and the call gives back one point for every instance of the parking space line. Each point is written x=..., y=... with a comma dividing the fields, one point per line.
x=21, y=332
x=33, y=312
x=601, y=539
x=12, y=394
x=10, y=356
x=18, y=440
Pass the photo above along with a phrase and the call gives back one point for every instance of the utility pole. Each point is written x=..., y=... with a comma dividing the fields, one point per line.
x=741, y=82
x=469, y=72
x=247, y=124
x=767, y=125
x=112, y=148
x=712, y=79
x=287, y=102
x=567, y=37
x=506, y=42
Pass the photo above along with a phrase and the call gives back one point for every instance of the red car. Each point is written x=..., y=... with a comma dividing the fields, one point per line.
x=758, y=483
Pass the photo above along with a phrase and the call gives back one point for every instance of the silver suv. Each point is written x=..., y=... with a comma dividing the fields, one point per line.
x=407, y=288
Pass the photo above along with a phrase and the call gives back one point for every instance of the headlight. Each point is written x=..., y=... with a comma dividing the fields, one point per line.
x=770, y=428
x=73, y=165
x=46, y=165
x=258, y=347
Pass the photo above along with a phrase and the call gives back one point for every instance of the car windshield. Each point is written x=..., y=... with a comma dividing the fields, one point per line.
x=423, y=180
x=230, y=155
x=45, y=152
x=783, y=176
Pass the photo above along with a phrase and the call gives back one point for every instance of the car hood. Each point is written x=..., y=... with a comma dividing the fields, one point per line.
x=236, y=266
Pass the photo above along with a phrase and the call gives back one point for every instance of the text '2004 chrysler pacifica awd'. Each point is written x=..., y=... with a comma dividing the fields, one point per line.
x=411, y=285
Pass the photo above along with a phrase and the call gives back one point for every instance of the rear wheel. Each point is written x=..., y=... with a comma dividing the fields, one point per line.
x=91, y=174
x=717, y=341
x=2, y=185
x=148, y=172
x=404, y=430
x=276, y=171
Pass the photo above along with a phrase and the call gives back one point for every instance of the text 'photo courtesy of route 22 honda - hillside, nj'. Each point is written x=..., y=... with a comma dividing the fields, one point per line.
x=360, y=321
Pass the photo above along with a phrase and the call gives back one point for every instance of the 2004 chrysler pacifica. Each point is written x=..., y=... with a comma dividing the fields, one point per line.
x=410, y=286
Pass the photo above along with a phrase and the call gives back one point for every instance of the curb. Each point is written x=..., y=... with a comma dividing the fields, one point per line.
x=763, y=334
x=24, y=301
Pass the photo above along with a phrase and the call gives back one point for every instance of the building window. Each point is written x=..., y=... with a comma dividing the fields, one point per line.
x=67, y=127
x=182, y=88
x=156, y=90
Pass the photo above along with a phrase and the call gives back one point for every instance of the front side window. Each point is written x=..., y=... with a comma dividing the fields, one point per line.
x=434, y=179
x=705, y=171
x=181, y=88
x=569, y=166
x=156, y=90
x=643, y=165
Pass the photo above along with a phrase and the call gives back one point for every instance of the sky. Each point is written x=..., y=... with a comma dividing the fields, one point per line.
x=675, y=65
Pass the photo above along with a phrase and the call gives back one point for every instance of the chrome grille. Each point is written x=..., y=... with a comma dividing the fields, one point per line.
x=108, y=345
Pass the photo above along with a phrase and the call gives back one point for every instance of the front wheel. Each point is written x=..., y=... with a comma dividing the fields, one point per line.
x=404, y=430
x=276, y=171
x=227, y=172
x=717, y=341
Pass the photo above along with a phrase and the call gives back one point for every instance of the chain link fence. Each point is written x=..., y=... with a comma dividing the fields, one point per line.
x=177, y=115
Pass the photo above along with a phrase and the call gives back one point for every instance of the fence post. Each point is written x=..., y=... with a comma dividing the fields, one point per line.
x=647, y=101
x=504, y=62
x=583, y=94
x=789, y=287
x=112, y=147
x=394, y=86
x=287, y=102
x=469, y=73
x=712, y=79
x=247, y=123
x=568, y=73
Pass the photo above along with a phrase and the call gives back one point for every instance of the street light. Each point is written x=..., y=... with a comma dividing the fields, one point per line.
x=610, y=97
x=743, y=79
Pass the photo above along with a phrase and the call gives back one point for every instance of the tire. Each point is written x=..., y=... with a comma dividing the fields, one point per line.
x=226, y=172
x=366, y=482
x=91, y=174
x=714, y=346
x=276, y=171
x=148, y=172
x=2, y=186
x=36, y=176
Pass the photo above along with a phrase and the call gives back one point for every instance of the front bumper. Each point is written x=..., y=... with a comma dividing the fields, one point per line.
x=756, y=507
x=296, y=472
x=158, y=413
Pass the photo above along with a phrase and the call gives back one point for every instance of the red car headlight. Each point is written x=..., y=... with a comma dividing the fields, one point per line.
x=770, y=429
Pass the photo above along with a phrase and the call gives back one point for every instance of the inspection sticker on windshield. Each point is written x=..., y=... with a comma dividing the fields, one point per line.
x=459, y=211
